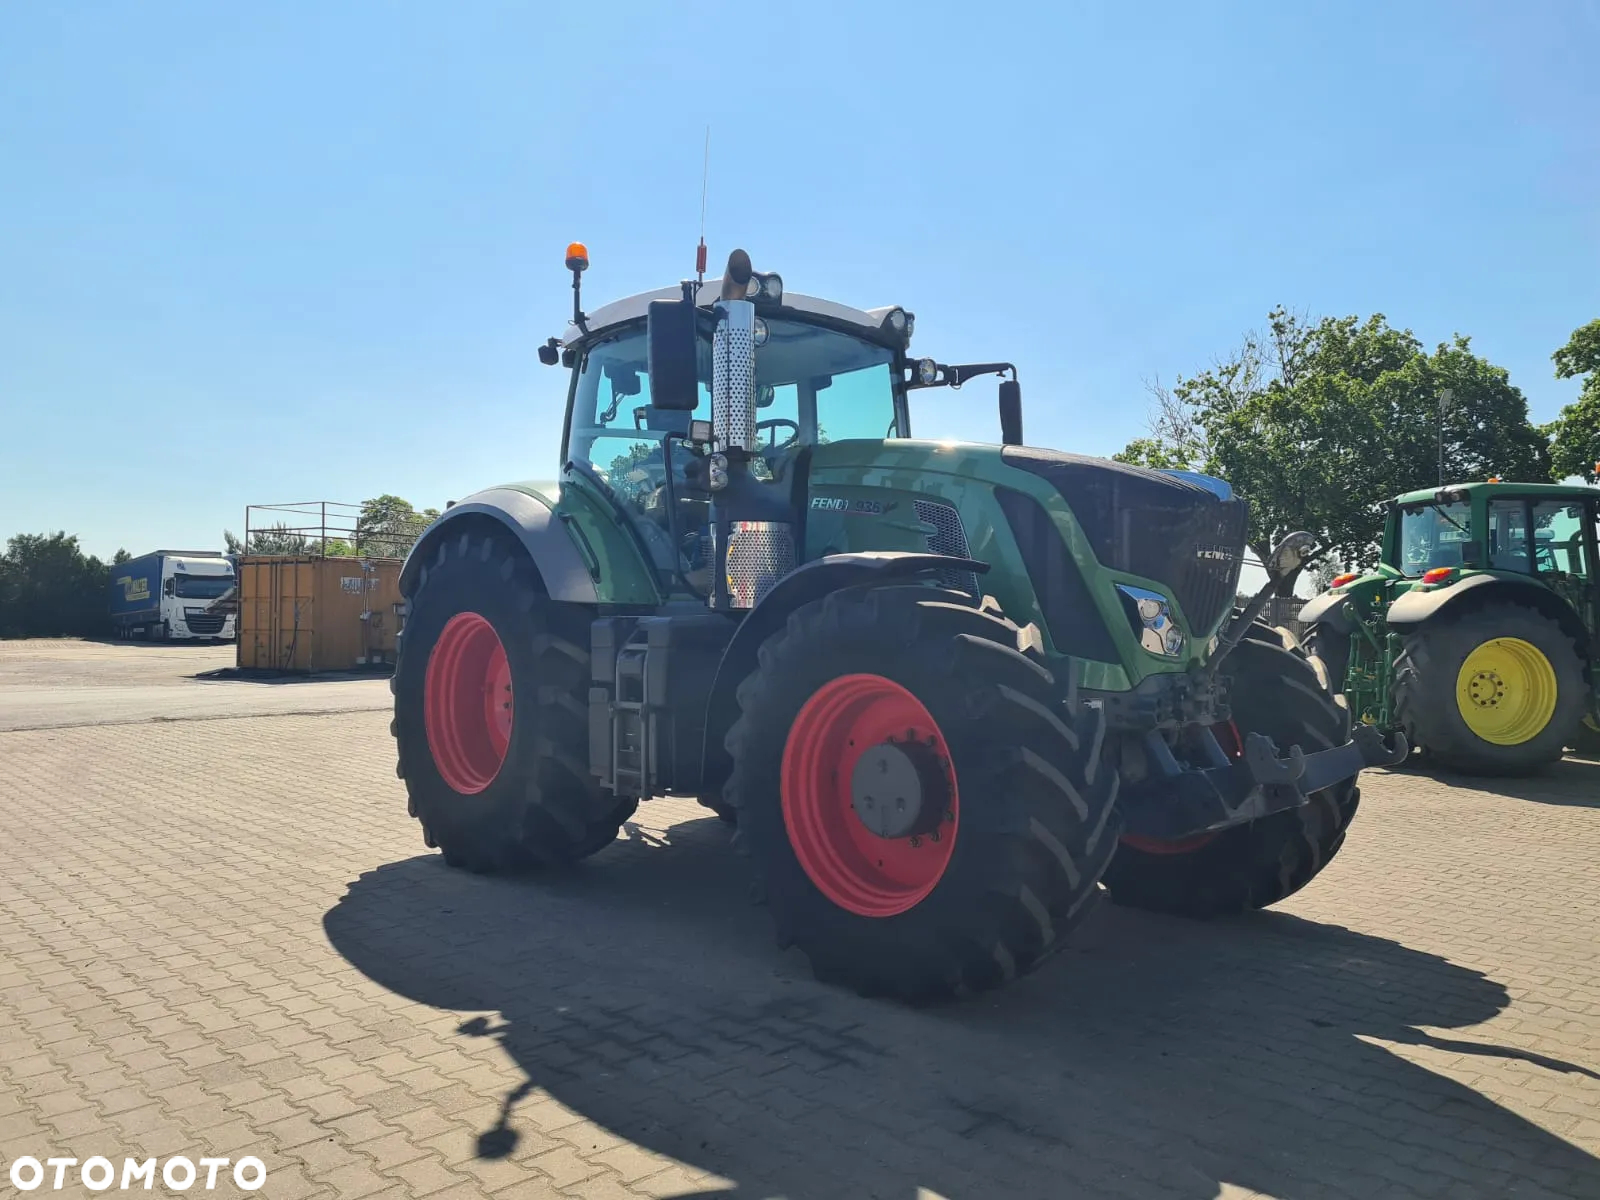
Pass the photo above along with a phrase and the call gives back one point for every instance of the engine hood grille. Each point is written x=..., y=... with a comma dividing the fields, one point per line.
x=1164, y=527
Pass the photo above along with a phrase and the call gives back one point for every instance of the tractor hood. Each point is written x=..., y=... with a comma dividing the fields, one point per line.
x=1185, y=533
x=1188, y=531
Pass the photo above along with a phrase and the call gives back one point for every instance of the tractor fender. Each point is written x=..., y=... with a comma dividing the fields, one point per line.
x=1330, y=608
x=535, y=525
x=808, y=582
x=1419, y=606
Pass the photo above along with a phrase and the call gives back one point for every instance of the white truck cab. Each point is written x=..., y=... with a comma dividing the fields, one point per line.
x=171, y=594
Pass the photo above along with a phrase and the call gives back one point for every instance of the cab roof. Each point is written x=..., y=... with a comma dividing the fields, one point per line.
x=1509, y=486
x=634, y=308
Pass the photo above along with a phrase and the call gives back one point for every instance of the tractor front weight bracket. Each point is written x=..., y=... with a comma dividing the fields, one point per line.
x=1175, y=802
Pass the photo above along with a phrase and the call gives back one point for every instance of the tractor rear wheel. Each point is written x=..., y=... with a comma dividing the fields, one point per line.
x=491, y=693
x=1498, y=691
x=1274, y=691
x=1587, y=740
x=924, y=818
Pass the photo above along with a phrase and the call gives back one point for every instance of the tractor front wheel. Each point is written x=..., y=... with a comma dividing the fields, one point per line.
x=1499, y=691
x=490, y=714
x=1274, y=691
x=924, y=818
x=1328, y=651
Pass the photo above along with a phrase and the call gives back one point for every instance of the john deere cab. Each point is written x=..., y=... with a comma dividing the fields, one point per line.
x=946, y=692
x=1476, y=634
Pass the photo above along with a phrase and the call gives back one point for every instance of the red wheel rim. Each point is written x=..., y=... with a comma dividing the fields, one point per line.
x=467, y=703
x=854, y=868
x=1227, y=735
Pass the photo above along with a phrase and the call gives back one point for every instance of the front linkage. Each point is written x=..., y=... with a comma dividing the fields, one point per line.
x=1173, y=802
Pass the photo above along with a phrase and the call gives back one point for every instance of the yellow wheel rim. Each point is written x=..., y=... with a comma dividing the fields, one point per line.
x=1506, y=691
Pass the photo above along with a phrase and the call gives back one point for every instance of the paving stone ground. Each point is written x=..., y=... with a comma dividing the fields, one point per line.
x=224, y=937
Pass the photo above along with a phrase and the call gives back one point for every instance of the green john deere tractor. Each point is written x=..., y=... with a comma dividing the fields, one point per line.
x=944, y=691
x=1477, y=633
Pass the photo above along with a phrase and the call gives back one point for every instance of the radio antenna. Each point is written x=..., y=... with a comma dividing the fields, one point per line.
x=705, y=174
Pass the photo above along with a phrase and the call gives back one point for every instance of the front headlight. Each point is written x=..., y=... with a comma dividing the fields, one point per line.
x=1150, y=613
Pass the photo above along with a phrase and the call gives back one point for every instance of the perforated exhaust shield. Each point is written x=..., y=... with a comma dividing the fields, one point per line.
x=733, y=375
x=759, y=554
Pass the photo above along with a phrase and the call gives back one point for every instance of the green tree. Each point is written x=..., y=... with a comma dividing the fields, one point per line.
x=1575, y=433
x=1315, y=422
x=278, y=539
x=50, y=588
x=389, y=526
x=1324, y=573
x=120, y=557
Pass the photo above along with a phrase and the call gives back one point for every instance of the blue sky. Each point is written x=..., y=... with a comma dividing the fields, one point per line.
x=255, y=253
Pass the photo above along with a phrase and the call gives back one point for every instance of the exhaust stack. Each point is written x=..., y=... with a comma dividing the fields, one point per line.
x=733, y=360
x=752, y=530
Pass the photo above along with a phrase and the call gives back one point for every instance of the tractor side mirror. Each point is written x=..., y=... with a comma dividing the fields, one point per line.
x=1290, y=554
x=1010, y=412
x=673, y=347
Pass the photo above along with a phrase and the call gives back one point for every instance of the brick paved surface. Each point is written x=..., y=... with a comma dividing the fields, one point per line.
x=58, y=684
x=223, y=937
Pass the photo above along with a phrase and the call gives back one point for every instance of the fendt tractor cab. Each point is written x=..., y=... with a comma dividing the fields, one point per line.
x=944, y=690
x=1476, y=633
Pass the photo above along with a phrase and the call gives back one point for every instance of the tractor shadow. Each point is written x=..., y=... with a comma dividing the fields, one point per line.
x=1151, y=1058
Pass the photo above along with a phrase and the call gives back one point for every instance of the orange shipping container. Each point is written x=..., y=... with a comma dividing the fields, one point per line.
x=313, y=614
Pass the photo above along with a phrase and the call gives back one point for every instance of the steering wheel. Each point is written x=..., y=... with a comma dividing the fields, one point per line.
x=773, y=423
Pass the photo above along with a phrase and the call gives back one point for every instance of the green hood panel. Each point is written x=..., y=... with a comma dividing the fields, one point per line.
x=864, y=496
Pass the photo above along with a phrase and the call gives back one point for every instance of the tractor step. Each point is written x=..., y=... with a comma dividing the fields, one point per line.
x=649, y=681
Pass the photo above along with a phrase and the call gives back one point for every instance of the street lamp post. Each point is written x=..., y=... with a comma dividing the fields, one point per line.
x=1445, y=398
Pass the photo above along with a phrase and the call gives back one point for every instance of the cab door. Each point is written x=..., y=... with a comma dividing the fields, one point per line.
x=1563, y=541
x=1592, y=617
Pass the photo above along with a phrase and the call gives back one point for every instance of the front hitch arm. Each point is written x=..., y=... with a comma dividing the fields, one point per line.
x=1176, y=802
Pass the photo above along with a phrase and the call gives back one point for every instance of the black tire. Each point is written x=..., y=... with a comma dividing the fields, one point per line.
x=1274, y=691
x=1587, y=740
x=544, y=807
x=1328, y=651
x=1425, y=674
x=1037, y=814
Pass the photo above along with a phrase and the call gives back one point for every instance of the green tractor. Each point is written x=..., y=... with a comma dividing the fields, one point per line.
x=1477, y=633
x=945, y=692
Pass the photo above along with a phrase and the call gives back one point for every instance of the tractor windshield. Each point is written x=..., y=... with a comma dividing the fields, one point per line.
x=1433, y=535
x=815, y=385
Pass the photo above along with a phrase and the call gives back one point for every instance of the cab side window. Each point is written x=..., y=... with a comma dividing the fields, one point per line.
x=619, y=434
x=1558, y=539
